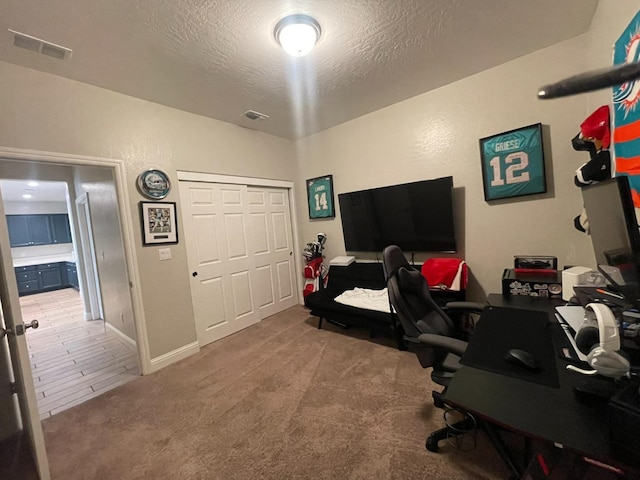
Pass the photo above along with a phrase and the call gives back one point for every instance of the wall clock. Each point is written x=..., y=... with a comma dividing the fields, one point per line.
x=154, y=184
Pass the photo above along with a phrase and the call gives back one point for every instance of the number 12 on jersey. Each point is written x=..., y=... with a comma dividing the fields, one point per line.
x=513, y=163
x=320, y=197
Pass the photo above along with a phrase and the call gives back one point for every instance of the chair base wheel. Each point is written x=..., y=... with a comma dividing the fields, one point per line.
x=438, y=401
x=432, y=444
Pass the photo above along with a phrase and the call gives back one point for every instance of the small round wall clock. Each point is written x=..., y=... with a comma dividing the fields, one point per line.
x=154, y=184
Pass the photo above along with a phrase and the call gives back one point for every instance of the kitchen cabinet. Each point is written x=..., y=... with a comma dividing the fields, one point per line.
x=60, y=230
x=50, y=276
x=45, y=277
x=41, y=229
x=72, y=275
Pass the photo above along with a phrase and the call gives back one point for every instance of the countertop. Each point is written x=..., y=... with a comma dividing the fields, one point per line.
x=26, y=261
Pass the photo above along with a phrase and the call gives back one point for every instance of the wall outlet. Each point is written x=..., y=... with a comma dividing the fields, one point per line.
x=164, y=253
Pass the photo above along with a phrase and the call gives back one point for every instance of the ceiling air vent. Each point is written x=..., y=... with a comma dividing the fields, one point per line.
x=34, y=44
x=253, y=115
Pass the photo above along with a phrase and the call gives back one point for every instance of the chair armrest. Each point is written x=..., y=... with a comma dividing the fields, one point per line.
x=452, y=345
x=465, y=307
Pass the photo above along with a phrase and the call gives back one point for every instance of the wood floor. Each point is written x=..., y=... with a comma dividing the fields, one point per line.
x=72, y=359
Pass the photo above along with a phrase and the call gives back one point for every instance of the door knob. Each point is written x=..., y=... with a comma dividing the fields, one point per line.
x=20, y=329
x=194, y=274
x=33, y=324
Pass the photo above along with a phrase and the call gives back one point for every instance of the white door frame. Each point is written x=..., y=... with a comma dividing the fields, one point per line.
x=259, y=182
x=126, y=224
x=89, y=279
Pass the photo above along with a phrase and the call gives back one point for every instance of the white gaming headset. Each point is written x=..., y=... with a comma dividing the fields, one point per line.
x=603, y=356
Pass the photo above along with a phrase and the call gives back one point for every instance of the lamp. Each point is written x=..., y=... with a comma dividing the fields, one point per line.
x=297, y=34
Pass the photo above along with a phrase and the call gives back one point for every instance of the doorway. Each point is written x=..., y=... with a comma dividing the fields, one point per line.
x=73, y=353
x=114, y=199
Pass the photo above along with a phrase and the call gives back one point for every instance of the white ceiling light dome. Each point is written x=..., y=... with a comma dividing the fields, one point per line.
x=297, y=34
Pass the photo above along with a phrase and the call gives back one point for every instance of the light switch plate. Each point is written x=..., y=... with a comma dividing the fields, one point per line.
x=164, y=253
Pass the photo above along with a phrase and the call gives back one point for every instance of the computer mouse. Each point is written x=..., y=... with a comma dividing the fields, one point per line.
x=523, y=359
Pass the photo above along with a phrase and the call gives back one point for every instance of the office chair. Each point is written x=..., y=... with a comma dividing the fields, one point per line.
x=427, y=330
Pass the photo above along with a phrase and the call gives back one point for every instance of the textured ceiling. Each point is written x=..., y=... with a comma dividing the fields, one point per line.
x=219, y=58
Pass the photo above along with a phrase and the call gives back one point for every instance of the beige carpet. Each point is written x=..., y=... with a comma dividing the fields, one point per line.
x=279, y=400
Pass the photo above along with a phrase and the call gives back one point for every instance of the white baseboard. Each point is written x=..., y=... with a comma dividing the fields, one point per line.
x=166, y=359
x=87, y=316
x=129, y=341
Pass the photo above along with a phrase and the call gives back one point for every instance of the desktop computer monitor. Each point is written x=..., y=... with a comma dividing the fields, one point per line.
x=615, y=237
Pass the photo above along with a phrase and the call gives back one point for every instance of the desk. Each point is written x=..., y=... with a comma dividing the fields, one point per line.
x=533, y=410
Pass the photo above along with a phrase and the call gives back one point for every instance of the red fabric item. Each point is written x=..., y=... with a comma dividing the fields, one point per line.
x=596, y=126
x=441, y=273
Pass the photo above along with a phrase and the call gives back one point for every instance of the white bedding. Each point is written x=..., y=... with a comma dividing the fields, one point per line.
x=365, y=298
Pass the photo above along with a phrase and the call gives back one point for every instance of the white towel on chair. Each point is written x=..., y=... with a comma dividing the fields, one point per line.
x=365, y=298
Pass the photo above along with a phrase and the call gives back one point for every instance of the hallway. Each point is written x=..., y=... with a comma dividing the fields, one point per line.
x=72, y=360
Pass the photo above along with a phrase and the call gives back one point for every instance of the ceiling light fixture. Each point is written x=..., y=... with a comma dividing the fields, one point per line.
x=27, y=196
x=297, y=34
x=32, y=184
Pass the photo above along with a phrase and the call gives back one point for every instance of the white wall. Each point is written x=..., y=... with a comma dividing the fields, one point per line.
x=26, y=208
x=436, y=134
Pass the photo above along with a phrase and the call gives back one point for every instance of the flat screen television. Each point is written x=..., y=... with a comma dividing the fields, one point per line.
x=416, y=216
x=613, y=228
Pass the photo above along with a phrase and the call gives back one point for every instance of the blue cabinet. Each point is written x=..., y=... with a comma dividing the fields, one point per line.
x=60, y=230
x=28, y=230
x=27, y=278
x=50, y=276
x=72, y=275
x=42, y=278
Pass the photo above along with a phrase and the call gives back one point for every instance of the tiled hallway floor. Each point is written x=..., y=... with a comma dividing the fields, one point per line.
x=72, y=360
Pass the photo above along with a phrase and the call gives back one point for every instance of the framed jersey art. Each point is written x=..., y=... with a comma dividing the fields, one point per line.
x=320, y=197
x=513, y=163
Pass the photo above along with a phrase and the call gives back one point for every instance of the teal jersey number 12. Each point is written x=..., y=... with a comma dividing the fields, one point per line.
x=513, y=163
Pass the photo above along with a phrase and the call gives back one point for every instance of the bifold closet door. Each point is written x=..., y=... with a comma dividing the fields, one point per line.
x=220, y=256
x=273, y=249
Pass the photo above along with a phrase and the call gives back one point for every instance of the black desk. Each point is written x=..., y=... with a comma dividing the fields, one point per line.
x=535, y=411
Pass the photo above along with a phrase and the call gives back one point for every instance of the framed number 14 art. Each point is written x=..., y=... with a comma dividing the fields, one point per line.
x=513, y=163
x=320, y=197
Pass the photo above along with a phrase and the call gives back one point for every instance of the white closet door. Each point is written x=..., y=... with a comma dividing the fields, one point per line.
x=220, y=257
x=273, y=249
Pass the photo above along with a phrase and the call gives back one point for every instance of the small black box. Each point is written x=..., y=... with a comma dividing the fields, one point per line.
x=532, y=284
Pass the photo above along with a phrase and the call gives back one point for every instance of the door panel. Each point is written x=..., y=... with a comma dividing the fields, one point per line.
x=241, y=285
x=218, y=232
x=271, y=217
x=212, y=300
x=264, y=295
x=205, y=238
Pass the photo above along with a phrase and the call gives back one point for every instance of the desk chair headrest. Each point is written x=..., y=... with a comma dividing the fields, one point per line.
x=392, y=259
x=410, y=280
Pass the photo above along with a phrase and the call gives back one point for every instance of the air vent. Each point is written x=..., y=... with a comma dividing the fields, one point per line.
x=253, y=115
x=34, y=44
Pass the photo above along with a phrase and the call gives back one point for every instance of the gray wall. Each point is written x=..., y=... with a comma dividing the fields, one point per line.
x=99, y=184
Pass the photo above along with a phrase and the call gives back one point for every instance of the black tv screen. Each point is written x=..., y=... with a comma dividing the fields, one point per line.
x=417, y=216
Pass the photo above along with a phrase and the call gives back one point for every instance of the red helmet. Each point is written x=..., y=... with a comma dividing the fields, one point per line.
x=596, y=126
